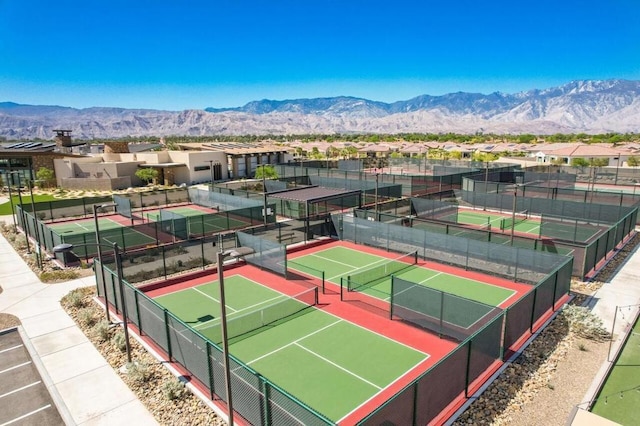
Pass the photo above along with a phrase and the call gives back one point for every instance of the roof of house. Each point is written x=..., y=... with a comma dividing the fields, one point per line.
x=584, y=151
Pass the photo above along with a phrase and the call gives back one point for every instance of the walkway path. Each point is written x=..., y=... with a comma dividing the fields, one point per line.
x=84, y=386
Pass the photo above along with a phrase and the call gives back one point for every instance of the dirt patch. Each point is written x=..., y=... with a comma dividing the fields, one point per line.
x=8, y=321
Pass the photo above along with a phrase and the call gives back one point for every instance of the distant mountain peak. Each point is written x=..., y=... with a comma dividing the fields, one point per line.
x=591, y=106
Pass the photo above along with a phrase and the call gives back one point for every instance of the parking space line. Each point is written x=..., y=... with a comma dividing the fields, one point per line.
x=10, y=349
x=14, y=367
x=17, y=419
x=20, y=389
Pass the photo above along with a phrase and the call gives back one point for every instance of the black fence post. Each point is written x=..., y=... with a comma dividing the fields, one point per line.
x=166, y=328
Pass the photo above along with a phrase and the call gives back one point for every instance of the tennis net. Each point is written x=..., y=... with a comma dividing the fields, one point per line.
x=371, y=275
x=519, y=217
x=282, y=310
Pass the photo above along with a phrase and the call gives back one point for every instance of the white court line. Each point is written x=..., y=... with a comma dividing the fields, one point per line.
x=294, y=342
x=83, y=227
x=26, y=415
x=330, y=260
x=379, y=392
x=10, y=349
x=339, y=366
x=20, y=389
x=382, y=260
x=535, y=228
x=241, y=311
x=420, y=282
x=211, y=297
x=15, y=366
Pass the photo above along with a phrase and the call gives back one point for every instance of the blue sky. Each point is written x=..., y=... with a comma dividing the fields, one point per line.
x=195, y=54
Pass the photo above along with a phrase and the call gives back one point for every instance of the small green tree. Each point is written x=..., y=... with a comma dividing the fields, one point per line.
x=268, y=172
x=579, y=162
x=45, y=176
x=633, y=161
x=147, y=175
x=315, y=153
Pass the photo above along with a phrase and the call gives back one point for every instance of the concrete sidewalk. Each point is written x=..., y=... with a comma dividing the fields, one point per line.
x=84, y=386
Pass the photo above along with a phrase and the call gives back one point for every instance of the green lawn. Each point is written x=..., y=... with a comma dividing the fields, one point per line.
x=619, y=398
x=5, y=209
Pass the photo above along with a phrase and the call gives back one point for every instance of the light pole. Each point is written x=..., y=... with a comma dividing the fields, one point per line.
x=211, y=170
x=513, y=211
x=221, y=256
x=35, y=225
x=24, y=224
x=264, y=195
x=13, y=211
x=375, y=205
x=223, y=324
x=65, y=248
x=99, y=248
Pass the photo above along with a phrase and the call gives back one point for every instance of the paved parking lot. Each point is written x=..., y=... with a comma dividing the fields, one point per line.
x=24, y=398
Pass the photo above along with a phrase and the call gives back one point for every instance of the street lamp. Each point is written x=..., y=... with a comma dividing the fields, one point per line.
x=264, y=195
x=65, y=248
x=24, y=224
x=13, y=212
x=375, y=205
x=513, y=210
x=35, y=225
x=99, y=248
x=225, y=340
x=211, y=170
x=221, y=256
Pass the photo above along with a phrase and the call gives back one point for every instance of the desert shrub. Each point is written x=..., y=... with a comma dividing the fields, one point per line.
x=75, y=299
x=61, y=275
x=139, y=372
x=86, y=317
x=173, y=389
x=584, y=323
x=101, y=330
x=119, y=341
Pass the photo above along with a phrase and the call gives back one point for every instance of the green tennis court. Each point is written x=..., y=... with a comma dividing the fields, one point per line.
x=523, y=223
x=328, y=363
x=183, y=211
x=342, y=262
x=200, y=222
x=83, y=226
x=83, y=232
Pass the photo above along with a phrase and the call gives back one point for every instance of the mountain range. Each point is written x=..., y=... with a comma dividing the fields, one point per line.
x=589, y=106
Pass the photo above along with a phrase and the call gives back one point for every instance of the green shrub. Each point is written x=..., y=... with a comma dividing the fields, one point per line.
x=101, y=330
x=173, y=389
x=584, y=323
x=75, y=299
x=61, y=275
x=139, y=372
x=119, y=341
x=86, y=317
